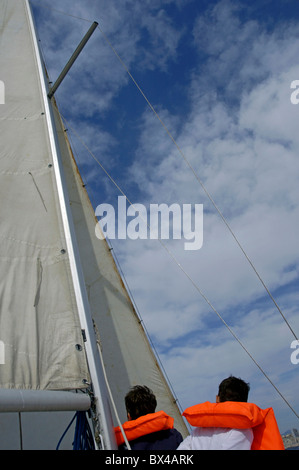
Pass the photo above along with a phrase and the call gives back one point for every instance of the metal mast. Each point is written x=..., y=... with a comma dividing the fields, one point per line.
x=99, y=388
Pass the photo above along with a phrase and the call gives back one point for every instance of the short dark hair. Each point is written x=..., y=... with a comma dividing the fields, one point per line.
x=140, y=401
x=233, y=389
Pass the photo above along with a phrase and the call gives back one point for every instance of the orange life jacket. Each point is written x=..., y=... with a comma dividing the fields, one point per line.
x=143, y=425
x=239, y=415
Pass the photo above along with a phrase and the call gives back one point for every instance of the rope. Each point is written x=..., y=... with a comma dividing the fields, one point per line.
x=109, y=389
x=83, y=438
x=63, y=435
x=176, y=399
x=20, y=430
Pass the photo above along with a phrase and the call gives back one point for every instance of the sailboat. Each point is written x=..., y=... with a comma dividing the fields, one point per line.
x=70, y=337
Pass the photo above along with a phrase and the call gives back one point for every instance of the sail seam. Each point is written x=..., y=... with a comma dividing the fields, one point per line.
x=38, y=190
x=27, y=243
x=39, y=281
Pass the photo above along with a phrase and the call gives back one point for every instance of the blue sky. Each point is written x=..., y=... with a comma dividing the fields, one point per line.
x=219, y=75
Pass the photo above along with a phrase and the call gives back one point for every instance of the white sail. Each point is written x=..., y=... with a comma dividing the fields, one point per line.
x=40, y=321
x=128, y=356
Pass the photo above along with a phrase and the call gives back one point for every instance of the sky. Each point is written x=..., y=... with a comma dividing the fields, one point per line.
x=214, y=122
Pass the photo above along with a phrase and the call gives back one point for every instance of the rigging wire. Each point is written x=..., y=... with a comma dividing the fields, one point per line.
x=146, y=330
x=197, y=178
x=175, y=397
x=183, y=270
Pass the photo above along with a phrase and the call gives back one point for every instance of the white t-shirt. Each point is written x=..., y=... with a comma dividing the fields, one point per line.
x=218, y=439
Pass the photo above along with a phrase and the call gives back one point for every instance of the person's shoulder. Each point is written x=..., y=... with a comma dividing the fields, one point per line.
x=175, y=431
x=176, y=435
x=166, y=439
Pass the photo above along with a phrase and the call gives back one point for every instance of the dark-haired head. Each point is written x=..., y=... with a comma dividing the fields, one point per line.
x=233, y=389
x=139, y=401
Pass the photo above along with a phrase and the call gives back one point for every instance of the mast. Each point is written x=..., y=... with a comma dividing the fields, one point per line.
x=57, y=278
x=99, y=389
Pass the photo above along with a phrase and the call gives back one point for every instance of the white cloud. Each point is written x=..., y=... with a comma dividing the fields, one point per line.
x=240, y=135
x=101, y=74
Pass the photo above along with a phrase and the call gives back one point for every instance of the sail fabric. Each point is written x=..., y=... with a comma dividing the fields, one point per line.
x=39, y=325
x=128, y=357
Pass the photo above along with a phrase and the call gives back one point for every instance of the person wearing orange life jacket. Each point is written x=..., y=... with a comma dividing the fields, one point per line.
x=146, y=429
x=231, y=423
